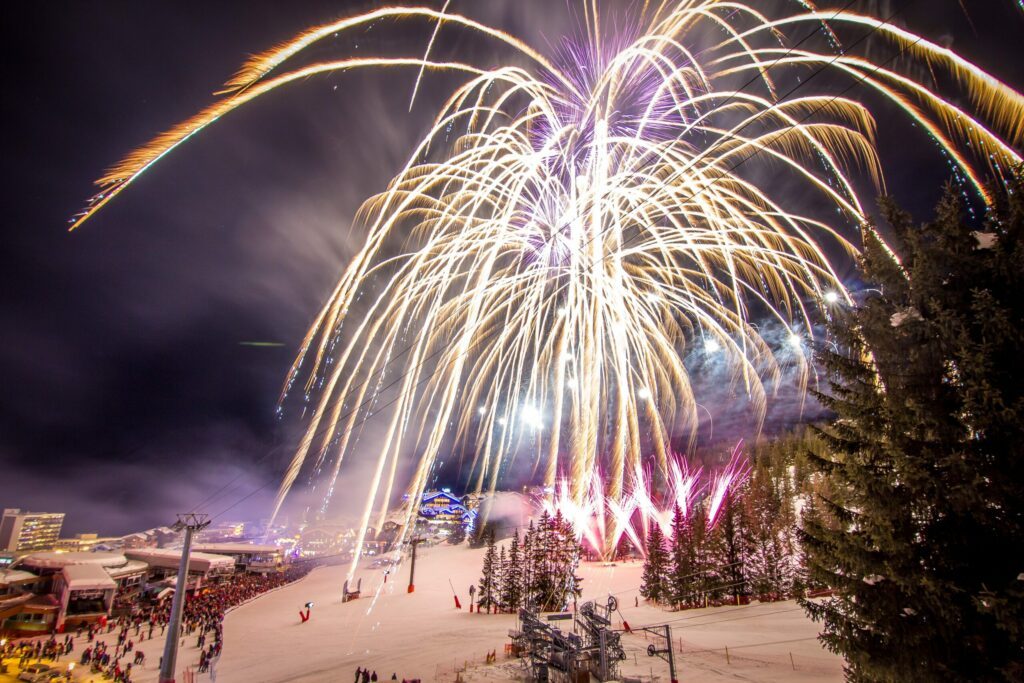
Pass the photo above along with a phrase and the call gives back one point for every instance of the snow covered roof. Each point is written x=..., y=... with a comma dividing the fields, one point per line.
x=59, y=560
x=169, y=558
x=44, y=603
x=87, y=577
x=130, y=567
x=236, y=548
x=9, y=576
x=431, y=495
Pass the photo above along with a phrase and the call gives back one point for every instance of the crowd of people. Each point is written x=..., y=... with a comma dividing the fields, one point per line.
x=366, y=676
x=202, y=618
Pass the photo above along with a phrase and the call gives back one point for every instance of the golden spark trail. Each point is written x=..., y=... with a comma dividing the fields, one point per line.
x=575, y=229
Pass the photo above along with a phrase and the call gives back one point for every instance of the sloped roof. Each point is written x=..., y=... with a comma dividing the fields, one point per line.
x=427, y=497
x=169, y=558
x=87, y=577
x=130, y=567
x=9, y=576
x=57, y=560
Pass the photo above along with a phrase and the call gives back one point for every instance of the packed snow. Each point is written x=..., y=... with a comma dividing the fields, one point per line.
x=422, y=634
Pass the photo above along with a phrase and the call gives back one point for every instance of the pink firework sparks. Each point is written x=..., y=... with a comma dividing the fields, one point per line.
x=601, y=523
x=726, y=480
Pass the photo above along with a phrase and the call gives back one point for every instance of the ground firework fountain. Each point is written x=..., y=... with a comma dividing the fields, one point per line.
x=601, y=522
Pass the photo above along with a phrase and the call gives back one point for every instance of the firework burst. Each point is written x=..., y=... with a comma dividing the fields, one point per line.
x=602, y=522
x=572, y=228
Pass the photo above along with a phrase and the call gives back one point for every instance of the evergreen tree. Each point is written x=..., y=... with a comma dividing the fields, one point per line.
x=484, y=531
x=542, y=588
x=458, y=534
x=769, y=528
x=924, y=459
x=549, y=558
x=680, y=581
x=512, y=583
x=526, y=576
x=702, y=578
x=486, y=591
x=655, y=575
x=728, y=554
x=500, y=574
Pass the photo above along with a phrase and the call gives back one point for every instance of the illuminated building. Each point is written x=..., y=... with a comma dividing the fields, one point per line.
x=83, y=543
x=51, y=590
x=442, y=507
x=29, y=531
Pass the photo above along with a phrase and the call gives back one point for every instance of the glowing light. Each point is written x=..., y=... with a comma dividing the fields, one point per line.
x=532, y=417
x=831, y=297
x=796, y=341
x=711, y=346
x=644, y=394
x=481, y=410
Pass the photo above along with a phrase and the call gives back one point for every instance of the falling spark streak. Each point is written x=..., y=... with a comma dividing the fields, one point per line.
x=592, y=208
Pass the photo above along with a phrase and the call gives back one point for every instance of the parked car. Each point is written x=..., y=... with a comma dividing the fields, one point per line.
x=51, y=676
x=34, y=672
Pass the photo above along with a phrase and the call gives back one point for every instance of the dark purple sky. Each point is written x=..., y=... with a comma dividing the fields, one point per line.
x=126, y=396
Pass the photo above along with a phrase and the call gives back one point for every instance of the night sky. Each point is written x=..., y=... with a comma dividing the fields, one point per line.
x=126, y=394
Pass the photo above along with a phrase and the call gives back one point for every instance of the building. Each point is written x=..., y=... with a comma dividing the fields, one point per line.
x=55, y=590
x=222, y=532
x=29, y=531
x=324, y=539
x=142, y=539
x=441, y=507
x=85, y=594
x=52, y=591
x=202, y=567
x=83, y=543
x=254, y=559
x=23, y=610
